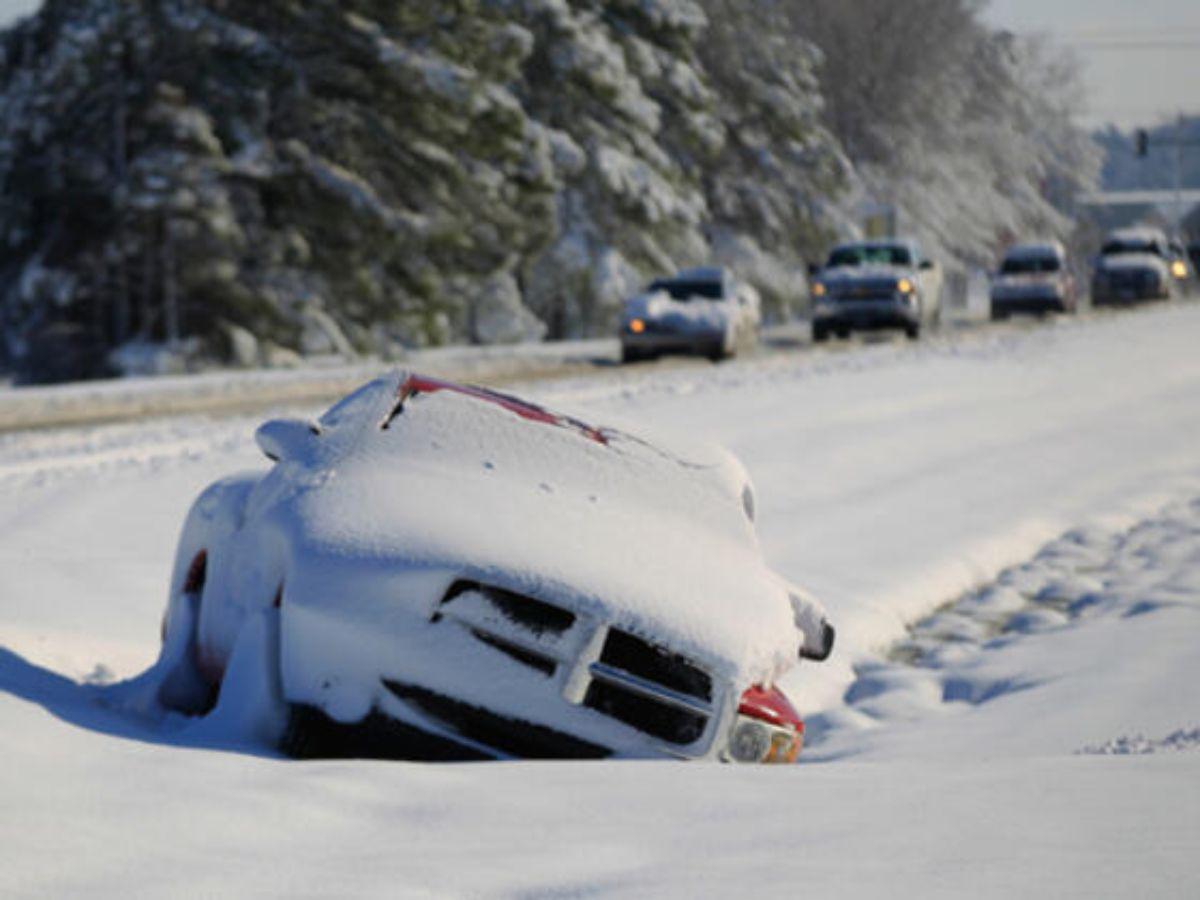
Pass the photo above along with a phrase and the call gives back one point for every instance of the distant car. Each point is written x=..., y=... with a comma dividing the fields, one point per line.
x=439, y=571
x=1033, y=278
x=875, y=284
x=1133, y=265
x=705, y=311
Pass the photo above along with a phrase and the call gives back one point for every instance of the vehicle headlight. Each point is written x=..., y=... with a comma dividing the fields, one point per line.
x=751, y=741
x=767, y=728
x=819, y=290
x=905, y=286
x=637, y=326
x=1179, y=269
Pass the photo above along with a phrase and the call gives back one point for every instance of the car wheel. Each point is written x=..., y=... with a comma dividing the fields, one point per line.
x=631, y=354
x=308, y=734
x=913, y=331
x=184, y=687
x=820, y=334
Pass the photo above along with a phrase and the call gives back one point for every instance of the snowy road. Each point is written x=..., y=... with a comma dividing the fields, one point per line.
x=893, y=479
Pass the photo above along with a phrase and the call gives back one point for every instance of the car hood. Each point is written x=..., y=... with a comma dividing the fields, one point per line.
x=1026, y=279
x=873, y=272
x=1119, y=261
x=695, y=315
x=639, y=534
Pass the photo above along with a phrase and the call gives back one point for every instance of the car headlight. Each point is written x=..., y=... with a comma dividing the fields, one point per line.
x=905, y=286
x=1179, y=269
x=819, y=290
x=637, y=326
x=751, y=741
x=767, y=728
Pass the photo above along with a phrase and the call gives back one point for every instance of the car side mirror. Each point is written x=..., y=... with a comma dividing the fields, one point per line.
x=287, y=439
x=821, y=653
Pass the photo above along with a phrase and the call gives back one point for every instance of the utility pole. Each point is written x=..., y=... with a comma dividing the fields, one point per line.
x=1178, y=143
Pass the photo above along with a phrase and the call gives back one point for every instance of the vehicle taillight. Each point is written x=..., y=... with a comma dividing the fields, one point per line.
x=767, y=729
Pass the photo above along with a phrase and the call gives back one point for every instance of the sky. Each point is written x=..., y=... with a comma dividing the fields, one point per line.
x=1141, y=58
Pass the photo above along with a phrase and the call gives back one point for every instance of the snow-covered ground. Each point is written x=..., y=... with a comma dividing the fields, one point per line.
x=1004, y=526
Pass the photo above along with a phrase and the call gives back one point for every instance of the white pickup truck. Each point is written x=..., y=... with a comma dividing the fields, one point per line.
x=876, y=284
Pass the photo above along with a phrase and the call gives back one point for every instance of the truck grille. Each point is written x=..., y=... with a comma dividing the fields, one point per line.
x=611, y=671
x=525, y=629
x=631, y=654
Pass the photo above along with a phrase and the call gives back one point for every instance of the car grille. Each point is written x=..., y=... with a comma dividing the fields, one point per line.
x=609, y=670
x=874, y=289
x=1132, y=278
x=523, y=628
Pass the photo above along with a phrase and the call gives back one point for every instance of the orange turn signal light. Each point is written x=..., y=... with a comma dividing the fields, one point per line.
x=637, y=326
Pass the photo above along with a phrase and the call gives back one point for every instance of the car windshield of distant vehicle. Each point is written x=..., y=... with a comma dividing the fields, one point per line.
x=868, y=254
x=1020, y=265
x=1112, y=248
x=686, y=290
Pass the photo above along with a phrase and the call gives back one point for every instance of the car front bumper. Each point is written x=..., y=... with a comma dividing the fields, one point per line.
x=1130, y=287
x=1028, y=302
x=865, y=315
x=531, y=680
x=668, y=341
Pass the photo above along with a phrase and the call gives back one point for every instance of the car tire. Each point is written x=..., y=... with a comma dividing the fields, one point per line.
x=307, y=733
x=632, y=354
x=184, y=687
x=912, y=332
x=820, y=334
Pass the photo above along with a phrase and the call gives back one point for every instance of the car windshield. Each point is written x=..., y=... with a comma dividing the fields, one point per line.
x=866, y=254
x=1019, y=265
x=685, y=290
x=1112, y=248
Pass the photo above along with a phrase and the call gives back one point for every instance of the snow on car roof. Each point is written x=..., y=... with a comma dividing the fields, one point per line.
x=644, y=534
x=1034, y=249
x=1137, y=233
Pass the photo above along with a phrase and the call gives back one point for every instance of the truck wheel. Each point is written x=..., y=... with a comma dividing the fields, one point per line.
x=309, y=734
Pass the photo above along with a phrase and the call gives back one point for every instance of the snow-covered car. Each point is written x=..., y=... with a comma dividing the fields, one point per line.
x=1033, y=278
x=705, y=311
x=437, y=571
x=875, y=284
x=1134, y=264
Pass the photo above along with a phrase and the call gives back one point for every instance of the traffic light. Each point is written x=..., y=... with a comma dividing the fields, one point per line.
x=1142, y=141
